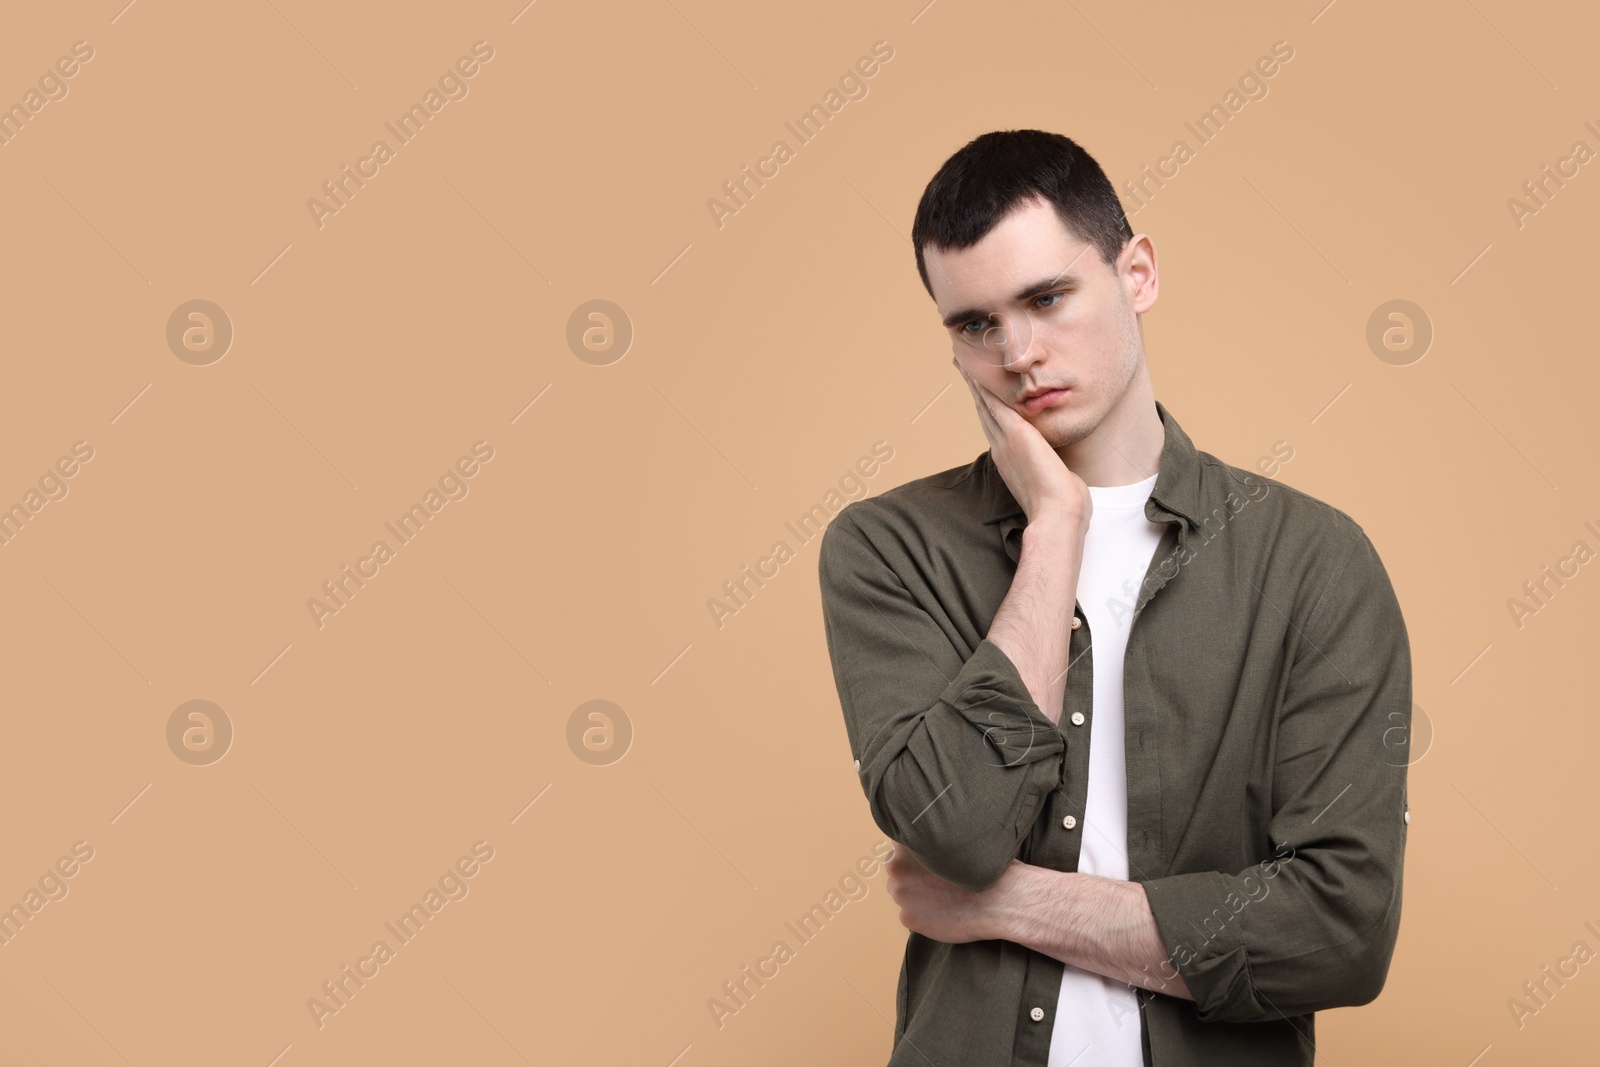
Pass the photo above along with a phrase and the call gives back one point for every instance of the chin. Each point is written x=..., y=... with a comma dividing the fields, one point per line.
x=1060, y=429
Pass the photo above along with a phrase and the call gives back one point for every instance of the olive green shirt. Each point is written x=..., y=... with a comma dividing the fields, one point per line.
x=1267, y=687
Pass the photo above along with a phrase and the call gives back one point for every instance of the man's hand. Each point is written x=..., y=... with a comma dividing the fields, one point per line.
x=1101, y=925
x=1032, y=625
x=935, y=908
x=1032, y=470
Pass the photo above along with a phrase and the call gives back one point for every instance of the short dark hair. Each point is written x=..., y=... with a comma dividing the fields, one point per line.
x=993, y=173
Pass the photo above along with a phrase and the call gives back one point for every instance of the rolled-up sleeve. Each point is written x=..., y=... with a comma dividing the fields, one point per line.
x=1314, y=925
x=955, y=758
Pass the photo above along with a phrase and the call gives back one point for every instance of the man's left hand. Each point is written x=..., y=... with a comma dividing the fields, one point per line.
x=938, y=909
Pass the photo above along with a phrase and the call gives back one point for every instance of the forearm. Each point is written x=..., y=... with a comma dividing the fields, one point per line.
x=952, y=752
x=1103, y=925
x=1033, y=625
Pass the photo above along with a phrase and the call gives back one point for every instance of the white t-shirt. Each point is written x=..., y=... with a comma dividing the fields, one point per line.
x=1097, y=1018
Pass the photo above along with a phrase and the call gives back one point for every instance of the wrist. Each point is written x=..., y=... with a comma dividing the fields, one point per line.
x=1057, y=525
x=1008, y=911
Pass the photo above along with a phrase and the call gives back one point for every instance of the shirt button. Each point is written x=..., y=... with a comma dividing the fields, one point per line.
x=858, y=766
x=1077, y=718
x=1408, y=815
x=1069, y=822
x=1076, y=622
x=1036, y=1014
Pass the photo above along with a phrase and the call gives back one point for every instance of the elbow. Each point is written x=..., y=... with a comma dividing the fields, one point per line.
x=946, y=842
x=1357, y=978
x=1364, y=978
x=1367, y=969
x=1368, y=992
x=1233, y=988
x=1337, y=954
x=975, y=868
x=1352, y=972
x=973, y=863
x=1243, y=999
x=963, y=817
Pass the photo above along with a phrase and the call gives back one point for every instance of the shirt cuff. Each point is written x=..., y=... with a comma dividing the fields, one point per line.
x=1190, y=912
x=990, y=694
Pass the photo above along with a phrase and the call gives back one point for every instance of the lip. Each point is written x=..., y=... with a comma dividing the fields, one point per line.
x=1048, y=398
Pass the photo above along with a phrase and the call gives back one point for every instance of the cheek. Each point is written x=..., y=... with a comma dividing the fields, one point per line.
x=1090, y=334
x=990, y=376
x=994, y=380
x=979, y=371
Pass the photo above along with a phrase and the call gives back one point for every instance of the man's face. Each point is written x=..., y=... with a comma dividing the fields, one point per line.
x=1066, y=320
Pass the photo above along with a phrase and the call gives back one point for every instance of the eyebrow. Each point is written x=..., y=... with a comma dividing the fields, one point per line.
x=1028, y=292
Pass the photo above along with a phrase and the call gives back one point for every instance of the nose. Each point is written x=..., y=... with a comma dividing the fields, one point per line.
x=1015, y=343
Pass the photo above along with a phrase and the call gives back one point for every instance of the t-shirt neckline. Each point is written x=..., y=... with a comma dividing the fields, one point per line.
x=1122, y=496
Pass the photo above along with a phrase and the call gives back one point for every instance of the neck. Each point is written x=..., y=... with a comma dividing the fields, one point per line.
x=1126, y=446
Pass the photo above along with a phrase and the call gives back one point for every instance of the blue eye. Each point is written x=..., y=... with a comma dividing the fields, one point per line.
x=983, y=324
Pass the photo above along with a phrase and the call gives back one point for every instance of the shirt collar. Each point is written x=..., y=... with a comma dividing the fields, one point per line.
x=1176, y=494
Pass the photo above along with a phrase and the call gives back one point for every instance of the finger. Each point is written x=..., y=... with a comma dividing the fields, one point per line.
x=991, y=399
x=986, y=419
x=989, y=409
x=985, y=416
x=980, y=395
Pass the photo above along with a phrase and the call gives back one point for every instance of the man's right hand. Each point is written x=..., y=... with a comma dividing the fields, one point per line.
x=1043, y=485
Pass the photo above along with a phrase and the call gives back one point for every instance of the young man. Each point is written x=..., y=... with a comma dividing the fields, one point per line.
x=1134, y=718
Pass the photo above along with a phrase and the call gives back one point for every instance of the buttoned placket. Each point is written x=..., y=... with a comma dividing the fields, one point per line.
x=1056, y=841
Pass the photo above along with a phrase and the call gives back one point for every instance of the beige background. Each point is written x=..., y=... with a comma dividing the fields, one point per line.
x=432, y=711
